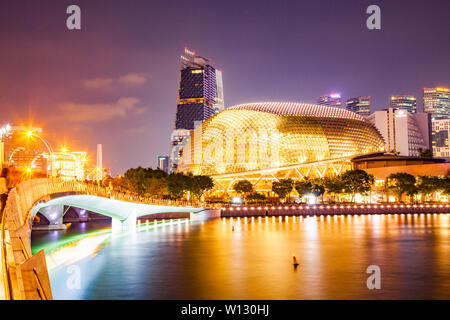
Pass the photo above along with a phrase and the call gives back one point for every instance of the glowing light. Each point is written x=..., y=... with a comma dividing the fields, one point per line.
x=335, y=95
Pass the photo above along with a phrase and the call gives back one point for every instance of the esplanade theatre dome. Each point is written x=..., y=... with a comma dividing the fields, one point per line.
x=264, y=135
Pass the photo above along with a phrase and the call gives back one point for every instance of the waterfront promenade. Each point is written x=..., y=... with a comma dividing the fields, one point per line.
x=335, y=209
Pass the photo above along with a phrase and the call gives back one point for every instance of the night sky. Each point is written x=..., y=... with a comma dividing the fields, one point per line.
x=115, y=81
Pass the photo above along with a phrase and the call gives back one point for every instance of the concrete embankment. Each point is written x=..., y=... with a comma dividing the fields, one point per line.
x=304, y=210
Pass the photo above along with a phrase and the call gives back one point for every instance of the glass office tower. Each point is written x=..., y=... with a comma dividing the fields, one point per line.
x=200, y=95
x=405, y=102
x=436, y=101
x=359, y=105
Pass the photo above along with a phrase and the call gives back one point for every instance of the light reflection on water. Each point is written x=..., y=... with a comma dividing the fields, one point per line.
x=208, y=260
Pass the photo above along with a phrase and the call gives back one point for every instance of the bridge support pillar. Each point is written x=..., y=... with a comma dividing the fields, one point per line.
x=125, y=225
x=54, y=214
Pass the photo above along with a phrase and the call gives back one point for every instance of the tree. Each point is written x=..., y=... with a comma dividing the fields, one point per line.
x=178, y=184
x=445, y=185
x=317, y=188
x=334, y=185
x=142, y=181
x=243, y=187
x=283, y=187
x=357, y=181
x=427, y=185
x=136, y=180
x=425, y=153
x=200, y=184
x=256, y=198
x=157, y=187
x=401, y=182
x=303, y=187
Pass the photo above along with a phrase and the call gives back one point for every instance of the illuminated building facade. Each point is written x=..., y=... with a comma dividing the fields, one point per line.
x=331, y=100
x=440, y=135
x=267, y=141
x=404, y=133
x=436, y=101
x=200, y=95
x=359, y=105
x=23, y=159
x=20, y=151
x=404, y=101
x=66, y=165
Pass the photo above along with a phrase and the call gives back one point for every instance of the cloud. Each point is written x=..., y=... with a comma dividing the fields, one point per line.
x=98, y=83
x=99, y=112
x=135, y=130
x=133, y=79
x=129, y=79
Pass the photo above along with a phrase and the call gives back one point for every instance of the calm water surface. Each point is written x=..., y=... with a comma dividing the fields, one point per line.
x=206, y=259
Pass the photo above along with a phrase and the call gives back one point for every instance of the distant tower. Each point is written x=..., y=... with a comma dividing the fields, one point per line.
x=436, y=101
x=331, y=100
x=404, y=101
x=99, y=162
x=359, y=105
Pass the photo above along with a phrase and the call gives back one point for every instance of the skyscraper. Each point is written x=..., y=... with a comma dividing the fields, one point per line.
x=331, y=100
x=163, y=163
x=359, y=105
x=441, y=134
x=405, y=102
x=403, y=132
x=200, y=95
x=436, y=101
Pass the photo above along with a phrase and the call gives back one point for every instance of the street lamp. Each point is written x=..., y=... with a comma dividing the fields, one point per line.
x=30, y=133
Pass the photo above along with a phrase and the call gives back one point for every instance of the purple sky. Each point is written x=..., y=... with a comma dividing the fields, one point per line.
x=115, y=81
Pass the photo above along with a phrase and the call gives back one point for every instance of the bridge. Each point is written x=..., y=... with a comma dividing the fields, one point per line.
x=25, y=276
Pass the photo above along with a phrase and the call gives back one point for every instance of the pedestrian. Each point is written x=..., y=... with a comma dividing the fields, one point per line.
x=3, y=188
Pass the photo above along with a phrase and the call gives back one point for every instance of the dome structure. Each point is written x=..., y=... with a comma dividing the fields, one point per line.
x=257, y=136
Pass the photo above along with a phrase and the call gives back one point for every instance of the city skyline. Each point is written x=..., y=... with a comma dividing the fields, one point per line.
x=112, y=98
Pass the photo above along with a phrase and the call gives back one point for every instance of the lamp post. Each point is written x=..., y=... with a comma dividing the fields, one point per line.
x=45, y=142
x=31, y=134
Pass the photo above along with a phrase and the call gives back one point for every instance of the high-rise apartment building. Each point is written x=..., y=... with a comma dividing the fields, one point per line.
x=403, y=132
x=436, y=101
x=404, y=101
x=163, y=163
x=359, y=105
x=440, y=135
x=200, y=95
x=331, y=100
